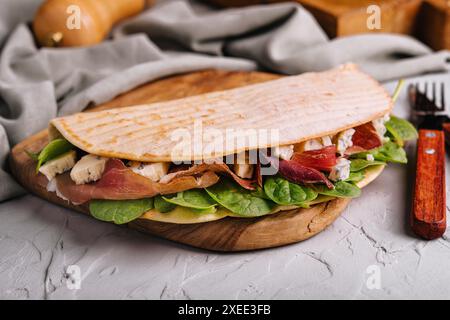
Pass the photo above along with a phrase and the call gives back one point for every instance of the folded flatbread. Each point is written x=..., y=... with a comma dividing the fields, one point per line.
x=333, y=136
x=299, y=107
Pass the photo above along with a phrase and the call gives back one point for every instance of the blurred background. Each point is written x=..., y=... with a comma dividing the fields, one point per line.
x=427, y=20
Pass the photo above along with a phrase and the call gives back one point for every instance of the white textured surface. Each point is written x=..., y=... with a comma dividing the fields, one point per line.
x=39, y=240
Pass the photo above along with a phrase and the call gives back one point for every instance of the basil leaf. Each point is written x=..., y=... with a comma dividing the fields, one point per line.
x=119, y=211
x=283, y=192
x=239, y=200
x=54, y=149
x=355, y=176
x=401, y=130
x=162, y=205
x=388, y=152
x=341, y=189
x=359, y=164
x=194, y=198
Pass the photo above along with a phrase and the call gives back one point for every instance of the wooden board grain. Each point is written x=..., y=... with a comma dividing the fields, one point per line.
x=229, y=234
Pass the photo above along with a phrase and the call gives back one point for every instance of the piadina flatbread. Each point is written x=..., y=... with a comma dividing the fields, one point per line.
x=334, y=136
x=299, y=107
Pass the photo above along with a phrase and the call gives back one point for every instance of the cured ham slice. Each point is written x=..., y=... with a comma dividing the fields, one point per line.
x=323, y=159
x=119, y=183
x=365, y=138
x=297, y=173
x=214, y=167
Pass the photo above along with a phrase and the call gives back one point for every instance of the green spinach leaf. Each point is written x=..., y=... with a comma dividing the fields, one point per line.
x=54, y=149
x=119, y=211
x=311, y=194
x=162, y=205
x=355, y=176
x=388, y=152
x=32, y=155
x=341, y=189
x=259, y=192
x=401, y=130
x=283, y=192
x=359, y=164
x=194, y=198
x=239, y=200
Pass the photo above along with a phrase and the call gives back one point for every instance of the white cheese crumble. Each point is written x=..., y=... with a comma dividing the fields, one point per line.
x=58, y=165
x=341, y=170
x=344, y=140
x=284, y=152
x=90, y=168
x=314, y=144
x=379, y=126
x=154, y=171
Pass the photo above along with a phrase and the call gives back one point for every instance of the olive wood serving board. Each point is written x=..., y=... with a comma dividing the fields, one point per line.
x=228, y=234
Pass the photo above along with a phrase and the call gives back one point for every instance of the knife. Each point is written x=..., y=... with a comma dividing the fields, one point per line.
x=428, y=217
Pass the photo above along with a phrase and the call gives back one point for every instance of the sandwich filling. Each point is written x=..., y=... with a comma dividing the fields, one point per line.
x=307, y=173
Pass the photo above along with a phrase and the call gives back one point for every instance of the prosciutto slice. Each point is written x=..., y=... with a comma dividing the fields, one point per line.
x=323, y=159
x=365, y=138
x=297, y=173
x=214, y=167
x=119, y=183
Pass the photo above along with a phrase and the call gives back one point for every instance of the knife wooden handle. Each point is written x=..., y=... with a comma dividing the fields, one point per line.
x=446, y=127
x=428, y=213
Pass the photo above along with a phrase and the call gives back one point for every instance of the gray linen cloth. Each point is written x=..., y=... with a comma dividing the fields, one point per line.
x=37, y=84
